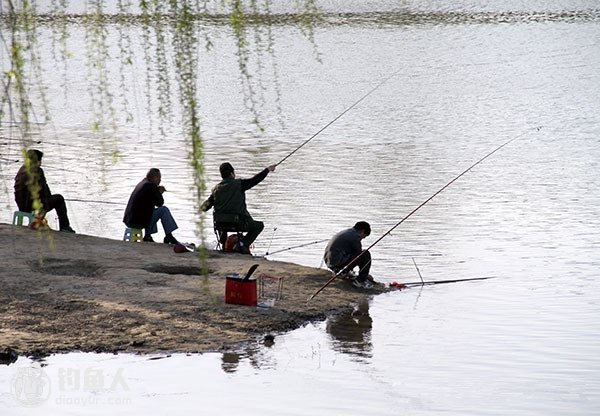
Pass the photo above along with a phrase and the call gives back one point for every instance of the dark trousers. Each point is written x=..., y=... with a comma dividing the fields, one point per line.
x=363, y=263
x=254, y=228
x=57, y=202
x=249, y=226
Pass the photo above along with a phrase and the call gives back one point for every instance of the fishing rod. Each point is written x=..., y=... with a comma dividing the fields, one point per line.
x=10, y=138
x=325, y=239
x=337, y=118
x=298, y=246
x=93, y=202
x=419, y=207
x=436, y=282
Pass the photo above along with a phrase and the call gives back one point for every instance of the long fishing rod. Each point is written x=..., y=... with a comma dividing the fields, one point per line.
x=437, y=282
x=419, y=207
x=337, y=118
x=298, y=246
x=326, y=239
x=93, y=201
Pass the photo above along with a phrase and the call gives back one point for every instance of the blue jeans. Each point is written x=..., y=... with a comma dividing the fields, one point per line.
x=164, y=215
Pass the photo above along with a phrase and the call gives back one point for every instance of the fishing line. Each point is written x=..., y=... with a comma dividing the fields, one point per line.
x=338, y=117
x=420, y=206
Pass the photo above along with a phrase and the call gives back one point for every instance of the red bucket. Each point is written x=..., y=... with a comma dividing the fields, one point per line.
x=240, y=292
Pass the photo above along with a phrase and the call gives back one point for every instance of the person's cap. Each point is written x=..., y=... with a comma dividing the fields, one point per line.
x=226, y=169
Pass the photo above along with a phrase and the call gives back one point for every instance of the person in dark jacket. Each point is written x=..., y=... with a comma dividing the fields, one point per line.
x=32, y=193
x=146, y=207
x=344, y=253
x=229, y=197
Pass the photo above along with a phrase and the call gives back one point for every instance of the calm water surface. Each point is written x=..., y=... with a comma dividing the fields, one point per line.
x=524, y=343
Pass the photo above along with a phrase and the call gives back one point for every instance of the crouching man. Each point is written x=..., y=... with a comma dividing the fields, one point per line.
x=344, y=253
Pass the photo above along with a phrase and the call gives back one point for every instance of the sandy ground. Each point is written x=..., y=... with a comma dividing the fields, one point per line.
x=63, y=292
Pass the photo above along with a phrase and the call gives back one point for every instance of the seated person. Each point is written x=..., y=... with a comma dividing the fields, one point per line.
x=229, y=197
x=32, y=193
x=146, y=207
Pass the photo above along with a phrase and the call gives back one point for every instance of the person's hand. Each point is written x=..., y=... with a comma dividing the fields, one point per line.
x=271, y=168
x=162, y=189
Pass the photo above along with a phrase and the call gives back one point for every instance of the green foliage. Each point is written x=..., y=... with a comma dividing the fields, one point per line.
x=170, y=34
x=185, y=45
x=14, y=80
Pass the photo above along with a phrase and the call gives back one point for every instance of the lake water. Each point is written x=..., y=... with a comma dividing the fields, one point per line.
x=524, y=343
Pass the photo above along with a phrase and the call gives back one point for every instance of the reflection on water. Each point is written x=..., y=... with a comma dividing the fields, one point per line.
x=255, y=355
x=351, y=332
x=231, y=361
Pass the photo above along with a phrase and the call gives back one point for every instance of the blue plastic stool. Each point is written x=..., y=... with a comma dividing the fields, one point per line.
x=133, y=235
x=19, y=216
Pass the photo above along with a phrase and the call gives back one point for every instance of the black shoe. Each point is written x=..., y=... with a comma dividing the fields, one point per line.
x=67, y=229
x=169, y=239
x=148, y=239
